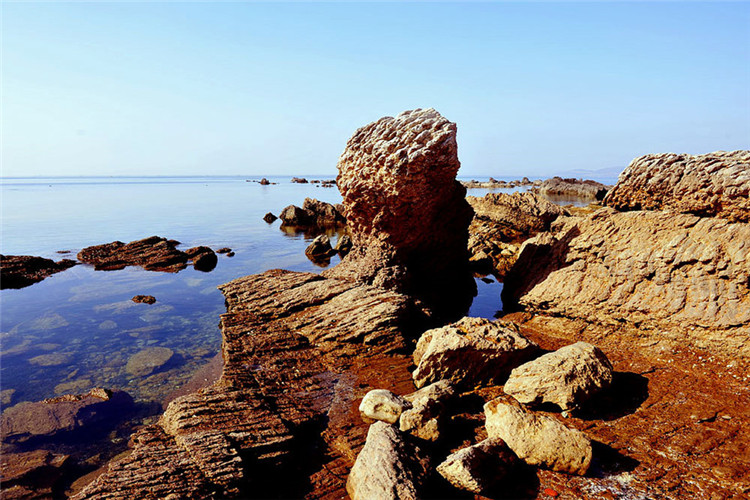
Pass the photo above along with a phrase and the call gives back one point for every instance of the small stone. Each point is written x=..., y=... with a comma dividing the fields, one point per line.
x=230, y=254
x=144, y=299
x=382, y=404
x=550, y=492
x=224, y=250
x=264, y=182
x=269, y=217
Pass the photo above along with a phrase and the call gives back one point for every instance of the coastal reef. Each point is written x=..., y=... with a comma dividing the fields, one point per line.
x=153, y=254
x=20, y=271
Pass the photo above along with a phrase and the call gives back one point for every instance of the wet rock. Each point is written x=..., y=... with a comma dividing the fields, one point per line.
x=319, y=248
x=313, y=214
x=144, y=299
x=32, y=474
x=470, y=351
x=538, y=439
x=388, y=467
x=6, y=396
x=674, y=275
x=153, y=254
x=269, y=217
x=20, y=271
x=295, y=216
x=107, y=325
x=53, y=417
x=381, y=404
x=712, y=185
x=230, y=254
x=225, y=249
x=264, y=182
x=343, y=245
x=299, y=180
x=204, y=259
x=407, y=214
x=567, y=377
x=54, y=359
x=423, y=419
x=574, y=188
x=148, y=361
x=479, y=468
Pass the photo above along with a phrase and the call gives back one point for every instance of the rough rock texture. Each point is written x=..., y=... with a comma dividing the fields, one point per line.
x=470, y=351
x=407, y=214
x=344, y=245
x=153, y=254
x=144, y=299
x=423, y=419
x=382, y=404
x=501, y=221
x=714, y=184
x=313, y=213
x=319, y=248
x=538, y=439
x=479, y=468
x=61, y=415
x=388, y=467
x=299, y=352
x=19, y=271
x=32, y=474
x=573, y=188
x=148, y=361
x=567, y=377
x=669, y=274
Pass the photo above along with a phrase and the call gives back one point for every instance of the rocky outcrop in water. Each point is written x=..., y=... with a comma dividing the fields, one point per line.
x=32, y=474
x=20, y=271
x=676, y=275
x=713, y=185
x=406, y=212
x=501, y=221
x=313, y=214
x=572, y=188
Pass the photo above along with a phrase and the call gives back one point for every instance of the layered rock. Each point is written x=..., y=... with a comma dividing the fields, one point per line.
x=677, y=274
x=572, y=188
x=538, y=439
x=567, y=377
x=469, y=352
x=389, y=467
x=297, y=350
x=407, y=214
x=479, y=468
x=33, y=474
x=501, y=221
x=714, y=184
x=20, y=271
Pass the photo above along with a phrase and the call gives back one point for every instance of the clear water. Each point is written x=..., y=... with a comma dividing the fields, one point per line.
x=77, y=329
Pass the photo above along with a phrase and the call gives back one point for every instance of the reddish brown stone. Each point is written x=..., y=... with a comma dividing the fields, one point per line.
x=19, y=271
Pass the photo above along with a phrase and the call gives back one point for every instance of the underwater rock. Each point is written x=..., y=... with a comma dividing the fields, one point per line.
x=148, y=361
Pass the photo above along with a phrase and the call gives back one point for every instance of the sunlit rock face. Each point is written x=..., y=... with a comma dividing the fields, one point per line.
x=407, y=213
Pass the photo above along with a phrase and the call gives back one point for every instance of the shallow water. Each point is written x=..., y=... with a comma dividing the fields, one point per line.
x=77, y=329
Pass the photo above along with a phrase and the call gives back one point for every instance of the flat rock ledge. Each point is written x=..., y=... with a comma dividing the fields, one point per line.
x=153, y=254
x=20, y=271
x=283, y=421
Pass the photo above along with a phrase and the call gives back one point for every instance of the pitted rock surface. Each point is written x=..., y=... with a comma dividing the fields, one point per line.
x=407, y=214
x=714, y=184
x=671, y=274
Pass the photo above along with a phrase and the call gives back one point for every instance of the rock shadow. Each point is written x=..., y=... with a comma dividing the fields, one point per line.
x=606, y=461
x=626, y=394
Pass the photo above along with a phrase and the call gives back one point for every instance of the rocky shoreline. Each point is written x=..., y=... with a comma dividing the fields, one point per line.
x=622, y=372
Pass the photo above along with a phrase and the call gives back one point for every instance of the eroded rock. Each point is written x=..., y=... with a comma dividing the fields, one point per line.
x=573, y=188
x=470, y=351
x=32, y=474
x=479, y=468
x=153, y=254
x=20, y=271
x=343, y=245
x=382, y=404
x=313, y=214
x=424, y=418
x=567, y=377
x=538, y=439
x=713, y=185
x=388, y=467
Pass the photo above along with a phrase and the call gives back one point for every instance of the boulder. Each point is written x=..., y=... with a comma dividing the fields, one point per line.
x=538, y=439
x=269, y=218
x=407, y=214
x=51, y=418
x=144, y=299
x=204, y=259
x=711, y=185
x=572, y=188
x=19, y=271
x=148, y=361
x=479, y=468
x=469, y=352
x=153, y=254
x=423, y=419
x=388, y=467
x=669, y=275
x=343, y=245
x=381, y=404
x=313, y=214
x=567, y=377
x=319, y=248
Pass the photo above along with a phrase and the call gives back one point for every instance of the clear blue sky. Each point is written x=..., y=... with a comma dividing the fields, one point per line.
x=266, y=88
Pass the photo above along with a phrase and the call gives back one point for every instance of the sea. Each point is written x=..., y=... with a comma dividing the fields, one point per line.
x=77, y=329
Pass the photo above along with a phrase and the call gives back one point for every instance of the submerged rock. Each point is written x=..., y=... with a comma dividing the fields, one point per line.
x=381, y=404
x=148, y=361
x=480, y=467
x=538, y=439
x=567, y=377
x=713, y=185
x=470, y=351
x=20, y=271
x=388, y=467
x=407, y=214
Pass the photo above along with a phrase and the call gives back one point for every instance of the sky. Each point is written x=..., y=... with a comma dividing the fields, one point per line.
x=250, y=88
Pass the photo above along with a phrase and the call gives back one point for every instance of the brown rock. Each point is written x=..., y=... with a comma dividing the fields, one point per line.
x=674, y=275
x=388, y=467
x=573, y=188
x=269, y=217
x=153, y=254
x=313, y=214
x=713, y=185
x=407, y=214
x=319, y=249
x=343, y=245
x=19, y=271
x=144, y=299
x=204, y=259
x=32, y=474
x=224, y=250
x=299, y=180
x=265, y=182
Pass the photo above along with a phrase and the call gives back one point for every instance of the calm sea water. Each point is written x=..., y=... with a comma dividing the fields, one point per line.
x=77, y=329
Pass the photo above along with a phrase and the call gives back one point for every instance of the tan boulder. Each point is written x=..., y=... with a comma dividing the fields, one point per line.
x=382, y=404
x=423, y=419
x=480, y=467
